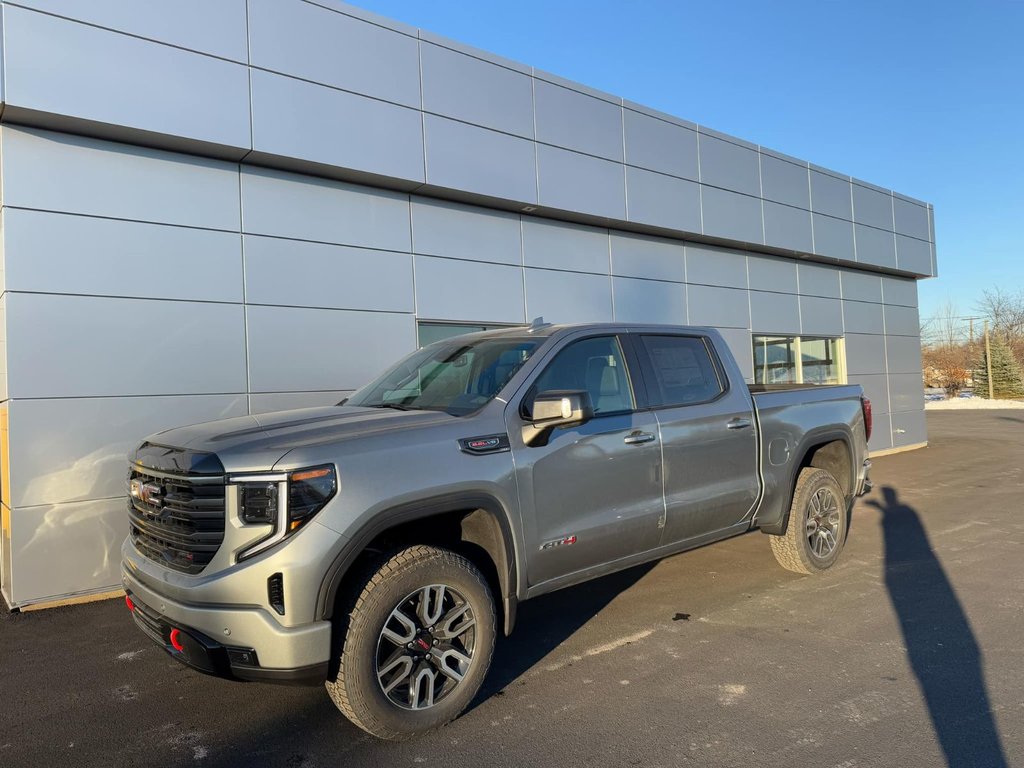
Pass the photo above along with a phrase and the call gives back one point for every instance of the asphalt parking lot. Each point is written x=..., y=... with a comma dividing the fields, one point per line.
x=907, y=654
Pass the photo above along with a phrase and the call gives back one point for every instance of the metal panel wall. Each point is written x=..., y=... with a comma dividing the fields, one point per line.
x=328, y=88
x=652, y=258
x=222, y=31
x=335, y=128
x=568, y=297
x=660, y=145
x=784, y=181
x=818, y=281
x=662, y=201
x=333, y=49
x=558, y=245
x=460, y=155
x=116, y=79
x=441, y=228
x=475, y=91
x=648, y=301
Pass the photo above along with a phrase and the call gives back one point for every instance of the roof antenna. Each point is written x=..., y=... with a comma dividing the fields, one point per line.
x=537, y=324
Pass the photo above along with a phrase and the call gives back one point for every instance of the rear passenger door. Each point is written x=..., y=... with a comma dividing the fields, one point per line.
x=706, y=426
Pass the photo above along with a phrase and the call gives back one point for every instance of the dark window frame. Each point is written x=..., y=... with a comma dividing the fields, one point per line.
x=632, y=376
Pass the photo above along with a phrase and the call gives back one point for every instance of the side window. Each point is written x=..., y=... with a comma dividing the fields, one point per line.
x=596, y=365
x=683, y=372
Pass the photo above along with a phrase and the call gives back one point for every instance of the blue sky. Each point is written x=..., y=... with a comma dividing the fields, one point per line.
x=926, y=98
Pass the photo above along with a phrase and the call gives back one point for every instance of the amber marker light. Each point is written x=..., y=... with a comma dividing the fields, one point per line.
x=310, y=474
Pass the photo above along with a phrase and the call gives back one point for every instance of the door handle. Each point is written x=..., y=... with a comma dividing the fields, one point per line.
x=738, y=423
x=638, y=438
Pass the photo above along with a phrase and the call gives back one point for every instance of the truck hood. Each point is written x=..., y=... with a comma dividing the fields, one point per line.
x=255, y=443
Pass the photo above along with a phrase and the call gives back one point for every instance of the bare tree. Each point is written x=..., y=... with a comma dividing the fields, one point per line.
x=1005, y=312
x=947, y=349
x=945, y=328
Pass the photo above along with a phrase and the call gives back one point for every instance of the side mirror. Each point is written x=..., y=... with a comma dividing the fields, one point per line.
x=556, y=408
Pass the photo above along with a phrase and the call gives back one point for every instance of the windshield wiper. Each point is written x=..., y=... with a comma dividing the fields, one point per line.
x=396, y=406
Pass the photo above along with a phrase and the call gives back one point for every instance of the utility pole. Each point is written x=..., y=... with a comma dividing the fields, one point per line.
x=971, y=321
x=988, y=363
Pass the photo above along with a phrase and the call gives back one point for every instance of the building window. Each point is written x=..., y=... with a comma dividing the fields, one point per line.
x=799, y=360
x=428, y=333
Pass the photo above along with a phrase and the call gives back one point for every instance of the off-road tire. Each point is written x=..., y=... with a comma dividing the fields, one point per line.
x=793, y=549
x=365, y=609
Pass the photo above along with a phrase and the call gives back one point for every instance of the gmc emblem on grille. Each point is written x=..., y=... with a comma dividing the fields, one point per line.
x=147, y=493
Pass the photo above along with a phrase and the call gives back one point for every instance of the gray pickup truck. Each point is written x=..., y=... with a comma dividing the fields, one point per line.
x=380, y=545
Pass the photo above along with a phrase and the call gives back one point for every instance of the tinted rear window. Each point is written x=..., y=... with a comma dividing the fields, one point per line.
x=682, y=369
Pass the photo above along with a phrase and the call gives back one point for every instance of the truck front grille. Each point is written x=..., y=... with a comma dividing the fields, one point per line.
x=176, y=519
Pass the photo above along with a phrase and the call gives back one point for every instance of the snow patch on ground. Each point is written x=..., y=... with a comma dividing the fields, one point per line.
x=971, y=403
x=730, y=694
x=622, y=641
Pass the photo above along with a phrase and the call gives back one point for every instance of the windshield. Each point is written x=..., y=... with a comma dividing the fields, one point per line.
x=457, y=376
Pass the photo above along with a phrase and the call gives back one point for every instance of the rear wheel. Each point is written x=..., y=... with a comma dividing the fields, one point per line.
x=418, y=644
x=817, y=524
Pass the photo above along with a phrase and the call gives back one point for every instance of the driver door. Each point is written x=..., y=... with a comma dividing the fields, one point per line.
x=592, y=494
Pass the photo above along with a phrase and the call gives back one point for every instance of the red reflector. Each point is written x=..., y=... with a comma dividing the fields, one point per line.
x=129, y=603
x=176, y=640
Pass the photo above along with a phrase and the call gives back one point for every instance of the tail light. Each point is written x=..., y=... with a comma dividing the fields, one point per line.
x=865, y=406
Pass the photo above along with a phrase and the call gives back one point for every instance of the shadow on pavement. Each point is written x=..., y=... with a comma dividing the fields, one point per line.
x=547, y=621
x=943, y=651
x=313, y=725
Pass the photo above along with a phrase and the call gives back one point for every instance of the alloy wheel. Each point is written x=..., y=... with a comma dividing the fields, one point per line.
x=425, y=648
x=822, y=525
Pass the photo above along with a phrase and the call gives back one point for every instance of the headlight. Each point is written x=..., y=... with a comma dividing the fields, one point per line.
x=257, y=503
x=308, y=491
x=284, y=501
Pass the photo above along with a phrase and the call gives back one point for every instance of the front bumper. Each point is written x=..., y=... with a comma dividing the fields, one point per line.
x=230, y=609
x=206, y=655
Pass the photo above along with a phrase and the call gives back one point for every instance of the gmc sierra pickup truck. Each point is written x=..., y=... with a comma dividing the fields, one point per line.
x=380, y=545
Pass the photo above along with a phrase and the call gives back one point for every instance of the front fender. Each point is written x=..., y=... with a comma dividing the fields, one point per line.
x=426, y=507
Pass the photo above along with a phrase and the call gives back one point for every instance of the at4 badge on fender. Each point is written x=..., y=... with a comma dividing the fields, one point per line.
x=563, y=542
x=484, y=444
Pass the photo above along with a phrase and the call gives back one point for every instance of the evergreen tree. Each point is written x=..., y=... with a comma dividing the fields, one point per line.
x=1007, y=378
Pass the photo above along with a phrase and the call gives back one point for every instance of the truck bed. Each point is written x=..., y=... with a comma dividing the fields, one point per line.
x=758, y=389
x=774, y=396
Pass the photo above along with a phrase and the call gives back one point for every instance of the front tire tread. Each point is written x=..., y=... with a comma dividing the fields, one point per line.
x=354, y=702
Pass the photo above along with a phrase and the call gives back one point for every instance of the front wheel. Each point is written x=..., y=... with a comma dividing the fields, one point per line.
x=817, y=524
x=418, y=644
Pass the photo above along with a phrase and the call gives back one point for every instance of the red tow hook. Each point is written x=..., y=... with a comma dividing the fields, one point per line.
x=176, y=640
